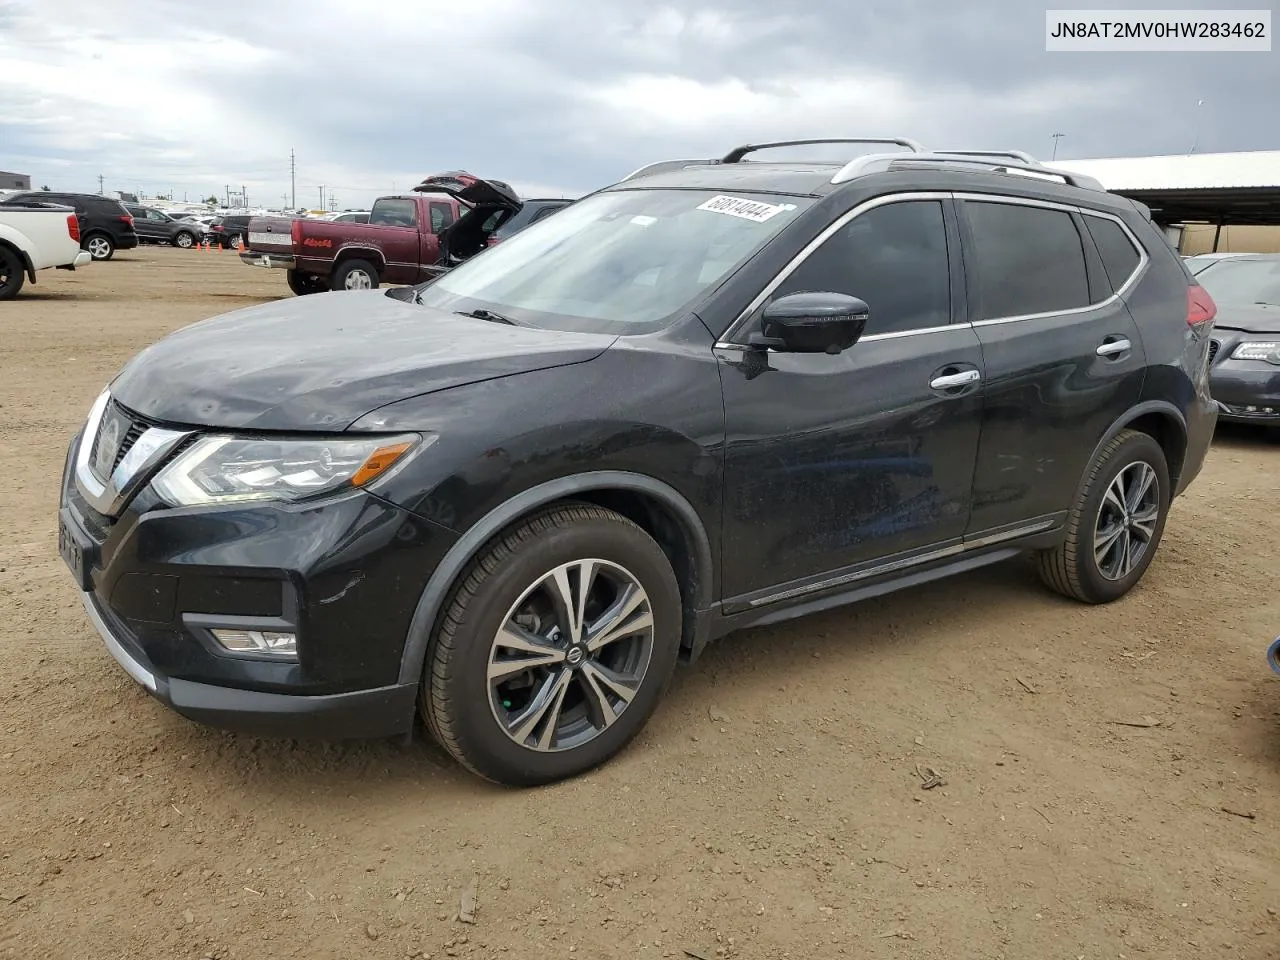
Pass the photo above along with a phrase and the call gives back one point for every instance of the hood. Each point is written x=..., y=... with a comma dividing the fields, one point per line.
x=1252, y=319
x=322, y=362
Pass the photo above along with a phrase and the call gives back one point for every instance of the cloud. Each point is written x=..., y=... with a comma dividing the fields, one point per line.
x=562, y=98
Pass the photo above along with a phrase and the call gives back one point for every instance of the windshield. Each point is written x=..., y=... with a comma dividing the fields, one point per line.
x=1242, y=283
x=619, y=262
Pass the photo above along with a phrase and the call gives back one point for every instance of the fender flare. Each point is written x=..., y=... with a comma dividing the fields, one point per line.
x=442, y=579
x=23, y=258
x=1163, y=407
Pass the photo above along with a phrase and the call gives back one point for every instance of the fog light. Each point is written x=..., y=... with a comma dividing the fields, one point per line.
x=263, y=642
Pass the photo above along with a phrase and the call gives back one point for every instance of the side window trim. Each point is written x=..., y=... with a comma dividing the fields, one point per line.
x=1050, y=205
x=942, y=196
x=1096, y=272
x=1143, y=257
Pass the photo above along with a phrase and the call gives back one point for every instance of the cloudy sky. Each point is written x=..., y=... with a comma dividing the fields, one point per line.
x=562, y=96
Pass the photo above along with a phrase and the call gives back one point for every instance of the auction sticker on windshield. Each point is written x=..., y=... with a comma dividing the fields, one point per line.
x=746, y=209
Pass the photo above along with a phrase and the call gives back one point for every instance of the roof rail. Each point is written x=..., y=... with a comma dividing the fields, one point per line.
x=665, y=166
x=1020, y=155
x=885, y=161
x=737, y=153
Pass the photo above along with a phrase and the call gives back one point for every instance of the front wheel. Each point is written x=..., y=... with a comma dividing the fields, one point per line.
x=12, y=274
x=100, y=246
x=555, y=647
x=1116, y=523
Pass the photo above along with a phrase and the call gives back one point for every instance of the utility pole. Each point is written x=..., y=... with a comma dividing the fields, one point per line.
x=322, y=196
x=1056, y=138
x=100, y=193
x=293, y=180
x=244, y=196
x=227, y=190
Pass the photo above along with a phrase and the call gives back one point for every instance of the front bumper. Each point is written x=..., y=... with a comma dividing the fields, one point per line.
x=344, y=575
x=276, y=260
x=380, y=712
x=1246, y=391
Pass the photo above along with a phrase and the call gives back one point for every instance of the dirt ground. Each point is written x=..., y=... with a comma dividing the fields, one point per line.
x=772, y=809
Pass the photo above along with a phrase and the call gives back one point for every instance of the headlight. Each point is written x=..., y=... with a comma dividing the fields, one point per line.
x=1259, y=350
x=231, y=469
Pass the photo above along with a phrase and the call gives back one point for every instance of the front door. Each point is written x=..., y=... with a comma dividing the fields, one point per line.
x=396, y=237
x=1064, y=358
x=836, y=465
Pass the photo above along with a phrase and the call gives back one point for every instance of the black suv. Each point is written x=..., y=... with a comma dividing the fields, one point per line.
x=156, y=226
x=230, y=232
x=531, y=212
x=105, y=225
x=714, y=395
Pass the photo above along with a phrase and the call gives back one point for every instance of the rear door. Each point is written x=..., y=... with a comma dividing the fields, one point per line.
x=1063, y=356
x=396, y=238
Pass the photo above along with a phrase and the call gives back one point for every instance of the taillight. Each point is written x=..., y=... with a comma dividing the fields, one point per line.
x=73, y=227
x=1200, y=307
x=126, y=219
x=295, y=232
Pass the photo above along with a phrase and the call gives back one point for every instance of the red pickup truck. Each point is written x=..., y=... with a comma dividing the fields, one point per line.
x=410, y=238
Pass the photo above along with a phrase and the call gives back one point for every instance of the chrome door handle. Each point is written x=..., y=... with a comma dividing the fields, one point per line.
x=950, y=380
x=1114, y=346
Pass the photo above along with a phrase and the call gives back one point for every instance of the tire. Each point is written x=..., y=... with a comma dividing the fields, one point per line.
x=480, y=722
x=237, y=242
x=100, y=246
x=354, y=275
x=305, y=283
x=184, y=239
x=12, y=274
x=1091, y=565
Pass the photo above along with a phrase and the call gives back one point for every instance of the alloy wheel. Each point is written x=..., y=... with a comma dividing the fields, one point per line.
x=184, y=240
x=358, y=280
x=571, y=655
x=1127, y=521
x=99, y=248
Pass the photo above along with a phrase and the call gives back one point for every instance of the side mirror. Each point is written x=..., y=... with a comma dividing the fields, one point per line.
x=812, y=323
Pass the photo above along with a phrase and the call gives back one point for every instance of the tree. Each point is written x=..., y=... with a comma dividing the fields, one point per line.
x=212, y=201
x=45, y=189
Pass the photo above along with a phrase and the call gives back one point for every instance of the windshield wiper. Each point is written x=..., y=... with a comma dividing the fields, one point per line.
x=482, y=314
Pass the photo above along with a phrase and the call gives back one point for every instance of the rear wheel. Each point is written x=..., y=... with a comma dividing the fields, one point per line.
x=1116, y=524
x=100, y=246
x=355, y=275
x=237, y=242
x=185, y=240
x=554, y=648
x=304, y=283
x=12, y=274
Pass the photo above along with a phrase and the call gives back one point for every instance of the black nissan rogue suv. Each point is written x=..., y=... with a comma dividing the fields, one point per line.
x=716, y=394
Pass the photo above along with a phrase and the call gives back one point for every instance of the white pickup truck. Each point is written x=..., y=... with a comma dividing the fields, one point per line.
x=36, y=238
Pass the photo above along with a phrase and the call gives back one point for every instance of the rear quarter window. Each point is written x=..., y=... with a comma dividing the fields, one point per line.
x=1119, y=256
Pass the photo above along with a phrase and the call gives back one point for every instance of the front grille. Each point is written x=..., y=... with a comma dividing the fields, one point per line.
x=136, y=429
x=1213, y=349
x=122, y=423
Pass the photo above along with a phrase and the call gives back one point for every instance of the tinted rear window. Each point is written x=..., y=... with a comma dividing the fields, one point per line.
x=1119, y=256
x=1030, y=259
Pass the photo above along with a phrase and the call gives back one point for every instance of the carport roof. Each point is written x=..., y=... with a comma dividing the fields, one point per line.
x=1241, y=188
